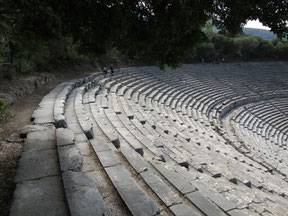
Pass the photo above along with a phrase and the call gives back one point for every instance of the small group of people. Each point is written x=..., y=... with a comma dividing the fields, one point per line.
x=105, y=70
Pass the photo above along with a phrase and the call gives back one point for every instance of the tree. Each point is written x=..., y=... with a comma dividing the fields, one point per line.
x=206, y=51
x=247, y=47
x=224, y=45
x=161, y=32
x=282, y=49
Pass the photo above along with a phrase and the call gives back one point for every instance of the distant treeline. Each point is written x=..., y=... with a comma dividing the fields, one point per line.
x=244, y=47
x=25, y=55
x=46, y=34
x=21, y=57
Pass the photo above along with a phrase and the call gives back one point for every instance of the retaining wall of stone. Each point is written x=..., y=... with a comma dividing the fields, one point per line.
x=10, y=94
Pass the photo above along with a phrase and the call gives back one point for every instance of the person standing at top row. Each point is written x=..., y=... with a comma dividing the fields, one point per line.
x=111, y=69
x=104, y=71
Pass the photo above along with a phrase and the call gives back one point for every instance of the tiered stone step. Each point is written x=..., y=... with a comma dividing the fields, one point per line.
x=40, y=177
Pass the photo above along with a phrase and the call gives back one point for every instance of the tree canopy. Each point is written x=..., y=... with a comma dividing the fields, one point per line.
x=157, y=31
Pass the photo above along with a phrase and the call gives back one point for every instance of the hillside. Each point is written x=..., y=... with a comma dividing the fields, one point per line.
x=265, y=34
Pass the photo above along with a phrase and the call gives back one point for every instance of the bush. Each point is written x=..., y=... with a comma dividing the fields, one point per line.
x=5, y=114
x=206, y=51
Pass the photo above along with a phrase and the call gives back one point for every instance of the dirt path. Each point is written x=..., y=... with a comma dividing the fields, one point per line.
x=11, y=145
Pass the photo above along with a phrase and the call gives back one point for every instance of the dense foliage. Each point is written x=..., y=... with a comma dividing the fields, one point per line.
x=42, y=32
x=240, y=47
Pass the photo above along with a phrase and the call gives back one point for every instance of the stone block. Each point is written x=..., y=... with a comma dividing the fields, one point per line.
x=64, y=136
x=168, y=196
x=134, y=159
x=32, y=128
x=174, y=178
x=42, y=139
x=70, y=158
x=99, y=144
x=44, y=196
x=108, y=158
x=37, y=164
x=204, y=204
x=216, y=197
x=137, y=201
x=184, y=210
x=82, y=195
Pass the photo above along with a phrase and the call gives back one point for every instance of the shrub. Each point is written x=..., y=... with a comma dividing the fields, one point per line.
x=5, y=114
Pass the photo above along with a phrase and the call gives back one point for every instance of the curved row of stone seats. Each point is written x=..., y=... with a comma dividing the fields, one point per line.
x=233, y=104
x=82, y=194
x=264, y=150
x=269, y=120
x=207, y=97
x=147, y=143
x=261, y=83
x=139, y=203
x=168, y=113
x=257, y=125
x=281, y=104
x=201, y=106
x=39, y=165
x=51, y=108
x=110, y=115
x=145, y=151
x=158, y=96
x=141, y=199
x=248, y=100
x=165, y=193
x=273, y=150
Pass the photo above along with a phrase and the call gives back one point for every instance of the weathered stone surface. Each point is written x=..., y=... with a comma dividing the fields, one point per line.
x=204, y=204
x=42, y=139
x=80, y=137
x=45, y=117
x=184, y=210
x=84, y=147
x=37, y=164
x=174, y=178
x=108, y=158
x=99, y=144
x=70, y=158
x=64, y=136
x=134, y=197
x=242, y=212
x=161, y=189
x=134, y=159
x=44, y=196
x=82, y=195
x=31, y=128
x=217, y=198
